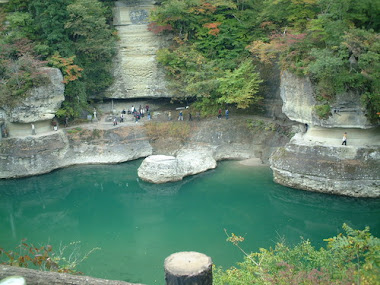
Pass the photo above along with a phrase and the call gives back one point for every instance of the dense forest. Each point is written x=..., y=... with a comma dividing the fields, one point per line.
x=217, y=48
x=219, y=43
x=73, y=35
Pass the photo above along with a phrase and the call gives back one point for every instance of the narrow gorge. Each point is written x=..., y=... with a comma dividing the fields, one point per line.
x=313, y=159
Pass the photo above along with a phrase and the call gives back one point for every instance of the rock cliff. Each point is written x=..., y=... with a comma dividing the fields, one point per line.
x=315, y=159
x=38, y=108
x=136, y=71
x=236, y=138
x=39, y=154
x=241, y=137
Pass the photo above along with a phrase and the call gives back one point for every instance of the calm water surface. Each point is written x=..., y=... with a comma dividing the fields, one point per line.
x=137, y=225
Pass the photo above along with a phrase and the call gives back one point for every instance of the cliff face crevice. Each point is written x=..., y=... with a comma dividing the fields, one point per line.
x=316, y=160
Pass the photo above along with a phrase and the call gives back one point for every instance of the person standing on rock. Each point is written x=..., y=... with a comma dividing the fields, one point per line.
x=219, y=113
x=180, y=117
x=344, y=140
x=227, y=114
x=33, y=130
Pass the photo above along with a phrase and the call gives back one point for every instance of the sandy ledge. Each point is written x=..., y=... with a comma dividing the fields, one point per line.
x=252, y=162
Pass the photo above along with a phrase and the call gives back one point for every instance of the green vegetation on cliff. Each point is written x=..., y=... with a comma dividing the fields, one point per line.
x=335, y=43
x=216, y=48
x=73, y=35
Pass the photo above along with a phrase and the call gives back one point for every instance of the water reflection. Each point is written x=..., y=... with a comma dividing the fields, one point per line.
x=320, y=213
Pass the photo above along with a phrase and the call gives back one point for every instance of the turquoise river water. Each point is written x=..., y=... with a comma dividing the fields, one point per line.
x=137, y=224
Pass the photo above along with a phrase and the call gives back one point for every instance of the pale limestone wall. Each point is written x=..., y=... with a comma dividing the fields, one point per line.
x=42, y=153
x=38, y=108
x=316, y=160
x=136, y=71
x=309, y=162
x=298, y=103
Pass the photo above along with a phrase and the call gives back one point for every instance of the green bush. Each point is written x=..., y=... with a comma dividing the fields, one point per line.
x=323, y=111
x=350, y=258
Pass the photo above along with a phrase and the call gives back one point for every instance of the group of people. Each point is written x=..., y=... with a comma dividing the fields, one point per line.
x=137, y=114
x=180, y=116
x=226, y=113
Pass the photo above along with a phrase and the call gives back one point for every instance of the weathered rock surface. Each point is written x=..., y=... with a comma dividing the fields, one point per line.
x=136, y=70
x=54, y=278
x=316, y=160
x=213, y=140
x=299, y=100
x=43, y=153
x=39, y=107
x=163, y=168
x=320, y=163
x=43, y=102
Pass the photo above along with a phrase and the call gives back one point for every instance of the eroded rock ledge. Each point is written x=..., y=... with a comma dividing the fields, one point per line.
x=164, y=168
x=315, y=159
x=32, y=155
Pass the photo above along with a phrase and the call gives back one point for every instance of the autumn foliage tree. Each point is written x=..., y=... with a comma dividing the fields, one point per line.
x=73, y=35
x=20, y=70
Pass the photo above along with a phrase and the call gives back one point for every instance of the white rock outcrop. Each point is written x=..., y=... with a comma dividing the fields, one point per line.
x=315, y=159
x=38, y=108
x=298, y=98
x=43, y=101
x=163, y=168
x=136, y=70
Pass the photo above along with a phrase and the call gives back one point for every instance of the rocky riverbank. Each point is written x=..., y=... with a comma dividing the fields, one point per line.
x=240, y=137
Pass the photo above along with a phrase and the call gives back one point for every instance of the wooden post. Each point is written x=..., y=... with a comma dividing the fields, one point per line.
x=188, y=268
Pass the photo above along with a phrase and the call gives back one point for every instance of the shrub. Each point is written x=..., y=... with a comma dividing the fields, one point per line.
x=323, y=111
x=350, y=258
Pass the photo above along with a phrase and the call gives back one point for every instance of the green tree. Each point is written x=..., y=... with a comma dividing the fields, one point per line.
x=49, y=19
x=94, y=43
x=239, y=87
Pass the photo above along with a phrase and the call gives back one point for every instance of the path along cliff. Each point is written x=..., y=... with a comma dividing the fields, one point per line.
x=240, y=137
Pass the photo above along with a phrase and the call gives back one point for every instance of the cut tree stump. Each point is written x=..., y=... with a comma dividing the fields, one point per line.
x=188, y=268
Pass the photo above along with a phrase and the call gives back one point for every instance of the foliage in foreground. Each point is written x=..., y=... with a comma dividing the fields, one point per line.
x=350, y=258
x=64, y=260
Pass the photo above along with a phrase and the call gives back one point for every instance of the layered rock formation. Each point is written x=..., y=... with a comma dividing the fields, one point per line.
x=136, y=71
x=316, y=160
x=163, y=168
x=213, y=140
x=210, y=141
x=39, y=154
x=38, y=108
